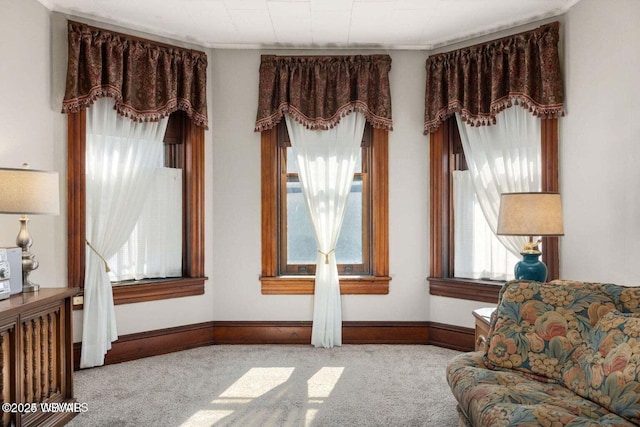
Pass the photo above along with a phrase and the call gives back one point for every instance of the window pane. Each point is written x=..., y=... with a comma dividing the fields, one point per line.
x=149, y=253
x=301, y=244
x=358, y=168
x=478, y=254
x=349, y=247
x=292, y=165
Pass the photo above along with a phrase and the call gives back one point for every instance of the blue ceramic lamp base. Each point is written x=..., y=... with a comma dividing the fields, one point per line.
x=531, y=268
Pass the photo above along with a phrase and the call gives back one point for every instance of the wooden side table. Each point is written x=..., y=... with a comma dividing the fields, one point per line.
x=483, y=317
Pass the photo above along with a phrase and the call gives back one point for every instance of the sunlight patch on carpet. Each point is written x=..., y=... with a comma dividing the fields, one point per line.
x=257, y=382
x=319, y=387
x=205, y=417
x=322, y=382
x=310, y=416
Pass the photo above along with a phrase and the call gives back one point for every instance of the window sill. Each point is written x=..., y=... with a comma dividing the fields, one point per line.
x=349, y=285
x=469, y=289
x=153, y=290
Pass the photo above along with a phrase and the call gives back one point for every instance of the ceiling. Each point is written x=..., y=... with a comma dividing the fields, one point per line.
x=388, y=24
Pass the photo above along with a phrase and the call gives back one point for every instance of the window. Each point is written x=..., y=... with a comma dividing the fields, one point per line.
x=503, y=157
x=478, y=252
x=154, y=248
x=288, y=260
x=184, y=148
x=297, y=242
x=445, y=157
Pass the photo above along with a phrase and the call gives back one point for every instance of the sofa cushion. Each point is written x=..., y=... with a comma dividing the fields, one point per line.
x=537, y=326
x=509, y=398
x=607, y=369
x=625, y=298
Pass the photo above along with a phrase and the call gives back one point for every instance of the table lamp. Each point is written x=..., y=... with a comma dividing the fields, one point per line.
x=530, y=214
x=28, y=191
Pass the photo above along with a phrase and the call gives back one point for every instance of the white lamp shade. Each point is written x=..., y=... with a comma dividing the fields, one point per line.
x=29, y=191
x=530, y=214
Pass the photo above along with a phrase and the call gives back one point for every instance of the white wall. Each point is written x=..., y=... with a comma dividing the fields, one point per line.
x=599, y=174
x=600, y=143
x=27, y=125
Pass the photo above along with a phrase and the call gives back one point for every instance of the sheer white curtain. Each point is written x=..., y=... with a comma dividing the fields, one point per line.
x=326, y=162
x=154, y=249
x=478, y=252
x=503, y=158
x=120, y=158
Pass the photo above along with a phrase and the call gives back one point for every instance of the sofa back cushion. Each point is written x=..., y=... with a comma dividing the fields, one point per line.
x=625, y=298
x=606, y=369
x=537, y=326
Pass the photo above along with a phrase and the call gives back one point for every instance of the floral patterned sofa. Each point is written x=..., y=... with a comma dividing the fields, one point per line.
x=558, y=353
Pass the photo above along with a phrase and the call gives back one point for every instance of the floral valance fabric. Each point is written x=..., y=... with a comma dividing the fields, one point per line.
x=482, y=80
x=318, y=90
x=148, y=80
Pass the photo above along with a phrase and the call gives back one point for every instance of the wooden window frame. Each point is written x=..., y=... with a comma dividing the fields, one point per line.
x=272, y=282
x=442, y=161
x=192, y=281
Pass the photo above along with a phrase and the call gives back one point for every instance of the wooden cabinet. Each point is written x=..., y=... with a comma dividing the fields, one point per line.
x=36, y=358
x=483, y=317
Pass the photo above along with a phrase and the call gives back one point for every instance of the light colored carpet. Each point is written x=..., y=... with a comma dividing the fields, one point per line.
x=272, y=385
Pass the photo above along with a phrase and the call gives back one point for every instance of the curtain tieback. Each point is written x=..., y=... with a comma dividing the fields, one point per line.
x=106, y=264
x=326, y=255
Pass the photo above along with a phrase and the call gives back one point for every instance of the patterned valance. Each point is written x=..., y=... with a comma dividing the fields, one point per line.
x=482, y=80
x=318, y=90
x=148, y=80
